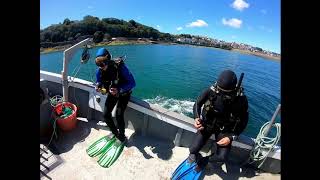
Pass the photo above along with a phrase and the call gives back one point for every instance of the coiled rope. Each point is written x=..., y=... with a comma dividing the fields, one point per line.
x=263, y=144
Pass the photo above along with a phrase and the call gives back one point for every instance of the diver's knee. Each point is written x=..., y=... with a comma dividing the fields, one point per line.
x=217, y=158
x=107, y=116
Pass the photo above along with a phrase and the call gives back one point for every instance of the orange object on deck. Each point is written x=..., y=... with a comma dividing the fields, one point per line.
x=70, y=122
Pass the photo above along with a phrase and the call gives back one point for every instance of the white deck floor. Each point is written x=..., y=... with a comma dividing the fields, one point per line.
x=142, y=158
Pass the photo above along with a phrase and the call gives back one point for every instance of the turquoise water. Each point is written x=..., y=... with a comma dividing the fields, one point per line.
x=173, y=76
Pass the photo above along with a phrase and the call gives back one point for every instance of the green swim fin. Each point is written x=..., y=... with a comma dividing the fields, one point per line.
x=100, y=145
x=111, y=155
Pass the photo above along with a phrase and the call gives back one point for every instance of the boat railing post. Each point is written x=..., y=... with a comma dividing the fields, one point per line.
x=67, y=56
x=177, y=139
x=145, y=125
x=273, y=119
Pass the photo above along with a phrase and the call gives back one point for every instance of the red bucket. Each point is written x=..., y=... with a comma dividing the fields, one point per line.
x=70, y=122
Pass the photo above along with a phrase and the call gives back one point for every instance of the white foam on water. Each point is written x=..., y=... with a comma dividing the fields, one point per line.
x=180, y=106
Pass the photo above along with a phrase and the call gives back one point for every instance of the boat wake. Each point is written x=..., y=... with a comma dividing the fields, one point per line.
x=180, y=106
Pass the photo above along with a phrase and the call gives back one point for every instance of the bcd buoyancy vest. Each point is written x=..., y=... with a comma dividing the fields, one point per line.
x=220, y=111
x=111, y=78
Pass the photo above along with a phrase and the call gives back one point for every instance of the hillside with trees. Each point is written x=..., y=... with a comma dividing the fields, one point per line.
x=63, y=35
x=70, y=31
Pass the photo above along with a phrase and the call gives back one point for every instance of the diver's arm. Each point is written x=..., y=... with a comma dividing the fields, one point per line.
x=128, y=79
x=98, y=79
x=200, y=101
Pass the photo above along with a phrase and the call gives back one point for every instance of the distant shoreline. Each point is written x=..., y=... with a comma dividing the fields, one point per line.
x=112, y=43
x=133, y=42
x=236, y=50
x=257, y=54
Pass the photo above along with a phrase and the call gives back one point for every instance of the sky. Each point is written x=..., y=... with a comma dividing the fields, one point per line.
x=253, y=22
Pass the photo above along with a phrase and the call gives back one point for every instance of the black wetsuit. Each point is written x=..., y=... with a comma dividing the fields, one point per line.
x=225, y=119
x=124, y=82
x=111, y=101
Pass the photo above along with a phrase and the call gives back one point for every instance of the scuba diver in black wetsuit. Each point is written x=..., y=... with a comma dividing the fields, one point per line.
x=225, y=114
x=113, y=77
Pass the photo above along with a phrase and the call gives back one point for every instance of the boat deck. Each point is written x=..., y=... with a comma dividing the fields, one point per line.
x=143, y=157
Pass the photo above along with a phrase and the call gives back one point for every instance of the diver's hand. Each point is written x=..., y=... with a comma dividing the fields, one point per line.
x=113, y=91
x=101, y=90
x=224, y=141
x=97, y=88
x=197, y=124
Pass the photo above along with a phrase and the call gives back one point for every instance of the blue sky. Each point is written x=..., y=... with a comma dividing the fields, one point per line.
x=254, y=22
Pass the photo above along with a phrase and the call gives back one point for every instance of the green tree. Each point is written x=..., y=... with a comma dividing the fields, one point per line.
x=98, y=36
x=66, y=21
x=91, y=26
x=77, y=35
x=258, y=49
x=107, y=36
x=133, y=23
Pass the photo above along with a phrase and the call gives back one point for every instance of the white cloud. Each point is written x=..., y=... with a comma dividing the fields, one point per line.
x=250, y=28
x=233, y=36
x=158, y=27
x=198, y=23
x=265, y=29
x=263, y=11
x=240, y=5
x=179, y=28
x=90, y=8
x=233, y=22
x=139, y=17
